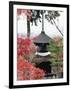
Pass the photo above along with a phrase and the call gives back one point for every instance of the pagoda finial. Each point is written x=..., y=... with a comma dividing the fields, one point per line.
x=42, y=20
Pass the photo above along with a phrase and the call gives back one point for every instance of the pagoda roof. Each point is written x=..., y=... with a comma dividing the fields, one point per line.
x=42, y=38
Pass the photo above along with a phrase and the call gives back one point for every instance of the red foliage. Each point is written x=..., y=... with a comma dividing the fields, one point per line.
x=18, y=11
x=27, y=71
x=25, y=47
x=28, y=13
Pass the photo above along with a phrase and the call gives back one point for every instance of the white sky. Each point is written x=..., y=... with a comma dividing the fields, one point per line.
x=50, y=29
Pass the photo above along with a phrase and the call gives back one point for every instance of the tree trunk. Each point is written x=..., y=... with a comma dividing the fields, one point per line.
x=28, y=28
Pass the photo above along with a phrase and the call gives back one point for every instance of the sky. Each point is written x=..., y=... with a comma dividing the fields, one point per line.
x=49, y=29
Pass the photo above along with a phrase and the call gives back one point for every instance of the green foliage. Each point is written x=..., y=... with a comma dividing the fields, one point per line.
x=56, y=62
x=53, y=47
x=56, y=51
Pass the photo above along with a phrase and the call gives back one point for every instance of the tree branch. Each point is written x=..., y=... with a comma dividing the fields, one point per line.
x=57, y=27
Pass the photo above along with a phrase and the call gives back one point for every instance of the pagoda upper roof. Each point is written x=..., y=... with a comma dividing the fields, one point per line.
x=42, y=38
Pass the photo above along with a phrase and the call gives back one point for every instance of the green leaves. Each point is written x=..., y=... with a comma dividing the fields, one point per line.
x=56, y=49
x=56, y=62
x=53, y=47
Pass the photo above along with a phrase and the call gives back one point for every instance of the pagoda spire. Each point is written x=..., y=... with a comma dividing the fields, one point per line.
x=42, y=20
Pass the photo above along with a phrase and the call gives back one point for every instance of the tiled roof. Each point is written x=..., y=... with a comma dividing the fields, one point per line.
x=42, y=38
